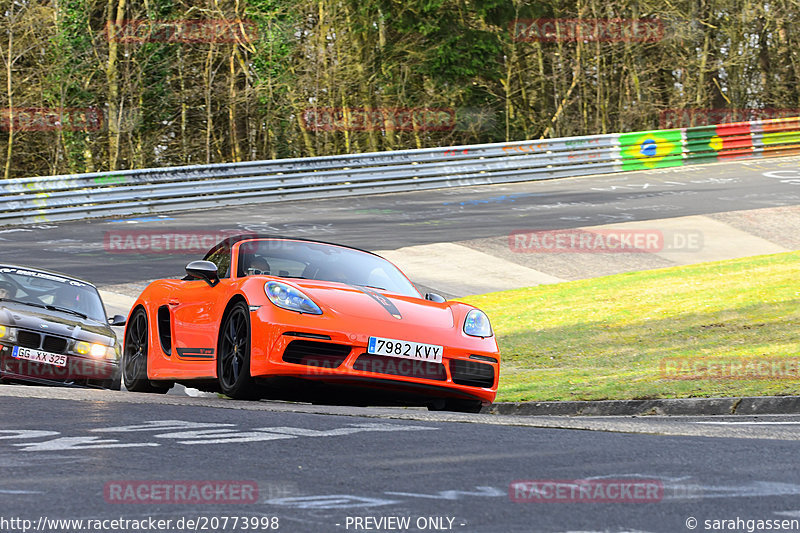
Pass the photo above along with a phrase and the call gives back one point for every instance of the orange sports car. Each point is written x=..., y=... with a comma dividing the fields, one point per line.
x=296, y=319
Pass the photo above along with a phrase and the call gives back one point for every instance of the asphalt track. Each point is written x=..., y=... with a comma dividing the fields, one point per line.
x=390, y=221
x=319, y=469
x=319, y=472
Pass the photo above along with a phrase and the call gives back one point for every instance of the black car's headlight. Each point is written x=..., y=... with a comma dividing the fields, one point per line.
x=477, y=324
x=287, y=297
x=95, y=350
x=8, y=334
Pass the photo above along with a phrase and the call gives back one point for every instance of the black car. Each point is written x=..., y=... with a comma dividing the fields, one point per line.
x=54, y=330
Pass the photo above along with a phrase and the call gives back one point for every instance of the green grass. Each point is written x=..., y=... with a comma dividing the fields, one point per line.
x=606, y=338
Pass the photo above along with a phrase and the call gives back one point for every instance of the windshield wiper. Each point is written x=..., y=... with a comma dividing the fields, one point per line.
x=45, y=306
x=374, y=287
x=32, y=304
x=66, y=310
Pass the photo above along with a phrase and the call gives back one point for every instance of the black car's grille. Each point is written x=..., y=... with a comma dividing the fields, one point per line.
x=311, y=353
x=397, y=366
x=54, y=344
x=471, y=373
x=29, y=339
x=48, y=343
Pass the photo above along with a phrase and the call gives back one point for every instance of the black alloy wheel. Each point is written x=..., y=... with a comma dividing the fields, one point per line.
x=233, y=354
x=134, y=357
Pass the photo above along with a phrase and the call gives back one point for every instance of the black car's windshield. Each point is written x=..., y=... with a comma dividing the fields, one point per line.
x=310, y=260
x=50, y=291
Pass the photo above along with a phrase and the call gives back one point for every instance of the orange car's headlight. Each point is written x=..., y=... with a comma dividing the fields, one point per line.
x=477, y=324
x=287, y=297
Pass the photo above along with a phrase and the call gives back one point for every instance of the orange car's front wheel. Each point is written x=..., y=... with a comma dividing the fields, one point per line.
x=134, y=357
x=233, y=354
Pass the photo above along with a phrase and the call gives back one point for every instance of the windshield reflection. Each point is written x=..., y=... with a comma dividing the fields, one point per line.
x=326, y=262
x=42, y=289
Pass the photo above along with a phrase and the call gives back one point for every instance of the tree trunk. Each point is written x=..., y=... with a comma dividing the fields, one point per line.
x=114, y=22
x=10, y=95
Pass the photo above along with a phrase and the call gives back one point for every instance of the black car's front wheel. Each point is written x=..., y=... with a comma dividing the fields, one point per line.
x=134, y=356
x=233, y=354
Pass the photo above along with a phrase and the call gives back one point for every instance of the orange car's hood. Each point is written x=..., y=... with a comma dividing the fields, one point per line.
x=367, y=303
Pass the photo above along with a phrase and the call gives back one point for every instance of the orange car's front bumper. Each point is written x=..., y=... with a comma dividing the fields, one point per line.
x=469, y=368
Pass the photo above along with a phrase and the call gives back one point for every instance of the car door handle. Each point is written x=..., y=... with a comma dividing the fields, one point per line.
x=174, y=302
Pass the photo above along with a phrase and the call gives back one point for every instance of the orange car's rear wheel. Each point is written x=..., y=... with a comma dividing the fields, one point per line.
x=134, y=357
x=233, y=354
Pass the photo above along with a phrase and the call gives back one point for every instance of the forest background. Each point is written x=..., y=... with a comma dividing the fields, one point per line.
x=92, y=85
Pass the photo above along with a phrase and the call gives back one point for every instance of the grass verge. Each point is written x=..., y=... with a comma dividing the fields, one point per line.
x=725, y=328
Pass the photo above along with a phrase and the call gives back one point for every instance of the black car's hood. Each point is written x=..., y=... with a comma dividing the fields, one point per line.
x=24, y=316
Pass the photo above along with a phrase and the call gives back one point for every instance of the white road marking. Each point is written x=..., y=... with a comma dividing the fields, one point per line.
x=79, y=443
x=340, y=501
x=221, y=436
x=453, y=494
x=25, y=433
x=750, y=490
x=330, y=501
x=355, y=428
x=161, y=425
x=192, y=433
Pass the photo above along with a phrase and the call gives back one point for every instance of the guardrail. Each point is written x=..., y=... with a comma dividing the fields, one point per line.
x=159, y=190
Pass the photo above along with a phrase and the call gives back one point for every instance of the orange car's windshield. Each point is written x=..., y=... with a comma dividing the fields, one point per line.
x=326, y=262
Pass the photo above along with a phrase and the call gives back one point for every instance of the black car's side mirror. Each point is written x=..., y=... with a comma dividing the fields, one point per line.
x=433, y=297
x=205, y=270
x=117, y=320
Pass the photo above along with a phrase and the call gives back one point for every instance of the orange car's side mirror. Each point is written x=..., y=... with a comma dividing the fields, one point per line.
x=205, y=270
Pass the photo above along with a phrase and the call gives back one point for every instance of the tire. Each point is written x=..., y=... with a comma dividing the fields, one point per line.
x=459, y=406
x=134, y=357
x=233, y=354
